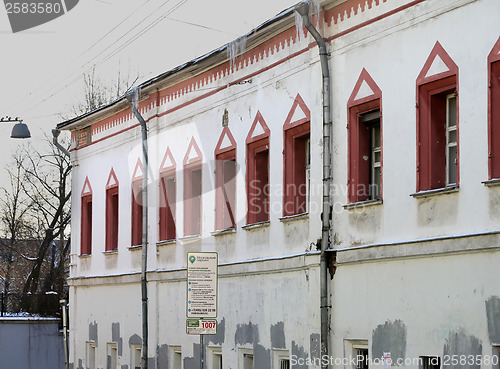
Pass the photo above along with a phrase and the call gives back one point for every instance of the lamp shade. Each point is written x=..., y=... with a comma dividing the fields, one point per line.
x=20, y=130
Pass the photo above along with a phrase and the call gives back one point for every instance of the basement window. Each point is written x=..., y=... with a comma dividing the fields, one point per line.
x=430, y=362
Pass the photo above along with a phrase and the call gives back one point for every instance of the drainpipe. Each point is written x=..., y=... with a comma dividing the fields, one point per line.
x=303, y=10
x=55, y=134
x=144, y=290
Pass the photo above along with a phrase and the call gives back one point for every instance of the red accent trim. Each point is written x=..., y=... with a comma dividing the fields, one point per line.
x=225, y=188
x=168, y=154
x=364, y=77
x=167, y=210
x=197, y=159
x=297, y=102
x=258, y=119
x=112, y=175
x=112, y=218
x=86, y=225
x=138, y=166
x=225, y=132
x=437, y=50
x=85, y=185
x=494, y=111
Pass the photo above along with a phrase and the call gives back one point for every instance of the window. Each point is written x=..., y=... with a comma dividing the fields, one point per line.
x=258, y=171
x=225, y=181
x=437, y=123
x=296, y=159
x=135, y=351
x=112, y=356
x=167, y=206
x=137, y=213
x=494, y=112
x=214, y=359
x=430, y=362
x=112, y=213
x=245, y=358
x=91, y=355
x=176, y=357
x=495, y=357
x=192, y=190
x=365, y=141
x=281, y=359
x=86, y=220
x=361, y=355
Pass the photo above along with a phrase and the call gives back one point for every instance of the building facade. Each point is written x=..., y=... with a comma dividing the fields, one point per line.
x=235, y=148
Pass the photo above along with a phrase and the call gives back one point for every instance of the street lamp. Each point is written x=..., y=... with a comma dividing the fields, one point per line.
x=20, y=129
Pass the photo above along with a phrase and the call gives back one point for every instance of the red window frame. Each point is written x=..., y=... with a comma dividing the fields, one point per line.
x=257, y=178
x=112, y=216
x=432, y=90
x=86, y=224
x=136, y=234
x=366, y=97
x=494, y=112
x=168, y=198
x=225, y=181
x=295, y=136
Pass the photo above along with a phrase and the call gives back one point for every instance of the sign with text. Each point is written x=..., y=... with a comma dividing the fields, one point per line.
x=202, y=285
x=201, y=326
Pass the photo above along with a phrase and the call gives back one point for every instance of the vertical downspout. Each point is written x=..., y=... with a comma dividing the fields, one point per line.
x=144, y=287
x=303, y=10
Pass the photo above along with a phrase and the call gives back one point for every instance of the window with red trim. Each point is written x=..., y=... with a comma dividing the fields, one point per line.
x=137, y=212
x=167, y=206
x=258, y=171
x=112, y=218
x=225, y=195
x=437, y=123
x=296, y=169
x=86, y=224
x=494, y=112
x=192, y=199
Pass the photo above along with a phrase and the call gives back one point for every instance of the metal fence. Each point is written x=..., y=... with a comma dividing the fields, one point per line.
x=30, y=304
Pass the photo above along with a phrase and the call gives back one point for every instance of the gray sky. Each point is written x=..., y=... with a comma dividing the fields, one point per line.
x=42, y=68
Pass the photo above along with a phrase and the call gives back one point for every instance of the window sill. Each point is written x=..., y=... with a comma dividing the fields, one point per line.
x=492, y=182
x=166, y=242
x=250, y=227
x=85, y=256
x=223, y=232
x=291, y=218
x=439, y=191
x=110, y=252
x=363, y=204
x=135, y=247
x=190, y=239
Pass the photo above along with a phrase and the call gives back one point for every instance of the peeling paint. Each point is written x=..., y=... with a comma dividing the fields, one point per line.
x=93, y=332
x=261, y=357
x=193, y=362
x=461, y=344
x=315, y=346
x=299, y=353
x=278, y=335
x=218, y=339
x=115, y=337
x=162, y=357
x=493, y=316
x=246, y=333
x=390, y=337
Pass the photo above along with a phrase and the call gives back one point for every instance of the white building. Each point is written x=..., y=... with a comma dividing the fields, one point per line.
x=415, y=110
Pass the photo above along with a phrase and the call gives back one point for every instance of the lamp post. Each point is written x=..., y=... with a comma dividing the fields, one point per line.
x=20, y=129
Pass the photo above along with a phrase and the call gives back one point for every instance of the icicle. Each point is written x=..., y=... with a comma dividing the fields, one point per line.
x=135, y=96
x=314, y=9
x=235, y=47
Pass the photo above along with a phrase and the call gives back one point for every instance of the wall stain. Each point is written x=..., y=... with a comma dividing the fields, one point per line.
x=71, y=365
x=460, y=344
x=93, y=332
x=261, y=357
x=193, y=362
x=493, y=316
x=246, y=333
x=300, y=355
x=315, y=346
x=389, y=337
x=80, y=364
x=125, y=366
x=115, y=337
x=437, y=210
x=278, y=335
x=162, y=356
x=218, y=339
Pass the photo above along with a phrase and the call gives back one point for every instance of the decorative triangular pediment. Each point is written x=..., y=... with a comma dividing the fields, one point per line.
x=259, y=129
x=193, y=153
x=299, y=113
x=495, y=52
x=168, y=162
x=365, y=90
x=112, y=180
x=87, y=189
x=226, y=141
x=137, y=173
x=438, y=65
